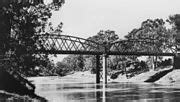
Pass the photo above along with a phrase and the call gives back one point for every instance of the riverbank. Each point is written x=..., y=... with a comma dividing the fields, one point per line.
x=144, y=77
x=169, y=78
x=14, y=97
x=11, y=97
x=83, y=77
x=72, y=88
x=13, y=87
x=58, y=88
x=172, y=77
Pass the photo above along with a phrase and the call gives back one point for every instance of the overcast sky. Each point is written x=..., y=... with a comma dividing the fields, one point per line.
x=84, y=18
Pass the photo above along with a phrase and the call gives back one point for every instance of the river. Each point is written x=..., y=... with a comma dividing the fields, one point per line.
x=68, y=89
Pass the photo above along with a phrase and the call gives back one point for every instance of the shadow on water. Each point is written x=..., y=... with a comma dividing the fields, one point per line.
x=4, y=97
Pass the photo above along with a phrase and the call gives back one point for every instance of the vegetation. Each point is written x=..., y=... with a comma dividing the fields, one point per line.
x=21, y=21
x=156, y=30
x=24, y=21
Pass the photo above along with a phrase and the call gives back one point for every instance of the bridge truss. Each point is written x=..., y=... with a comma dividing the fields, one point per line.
x=65, y=44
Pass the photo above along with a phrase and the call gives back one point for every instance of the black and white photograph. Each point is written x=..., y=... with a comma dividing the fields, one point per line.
x=89, y=50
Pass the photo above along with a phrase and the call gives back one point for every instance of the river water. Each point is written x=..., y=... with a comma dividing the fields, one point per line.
x=67, y=89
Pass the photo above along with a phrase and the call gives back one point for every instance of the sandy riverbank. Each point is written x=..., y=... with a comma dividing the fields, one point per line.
x=141, y=77
x=86, y=77
x=171, y=78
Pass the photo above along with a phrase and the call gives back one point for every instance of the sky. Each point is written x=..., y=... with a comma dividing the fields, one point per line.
x=85, y=18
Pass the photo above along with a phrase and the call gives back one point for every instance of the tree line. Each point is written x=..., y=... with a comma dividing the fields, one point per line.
x=164, y=32
x=21, y=23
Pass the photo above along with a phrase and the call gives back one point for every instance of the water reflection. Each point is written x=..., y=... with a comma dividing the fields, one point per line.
x=101, y=93
x=112, y=92
x=98, y=93
x=133, y=93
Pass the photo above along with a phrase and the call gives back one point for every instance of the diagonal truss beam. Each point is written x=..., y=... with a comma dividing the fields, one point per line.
x=137, y=47
x=65, y=44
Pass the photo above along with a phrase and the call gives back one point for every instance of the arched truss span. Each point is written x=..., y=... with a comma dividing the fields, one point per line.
x=65, y=44
x=137, y=47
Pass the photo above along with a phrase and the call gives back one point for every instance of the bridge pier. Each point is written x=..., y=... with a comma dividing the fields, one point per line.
x=105, y=68
x=97, y=69
x=176, y=61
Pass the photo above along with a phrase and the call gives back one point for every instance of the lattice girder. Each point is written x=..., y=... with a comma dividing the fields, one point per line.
x=54, y=44
x=64, y=44
x=137, y=47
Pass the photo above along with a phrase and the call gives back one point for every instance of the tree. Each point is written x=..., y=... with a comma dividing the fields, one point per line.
x=174, y=20
x=154, y=31
x=88, y=62
x=29, y=2
x=75, y=62
x=80, y=63
x=24, y=20
x=103, y=37
x=71, y=61
x=62, y=68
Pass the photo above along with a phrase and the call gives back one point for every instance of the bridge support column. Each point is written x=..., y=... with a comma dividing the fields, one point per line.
x=177, y=61
x=105, y=68
x=153, y=63
x=97, y=69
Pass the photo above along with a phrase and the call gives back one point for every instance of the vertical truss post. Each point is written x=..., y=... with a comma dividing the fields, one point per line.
x=105, y=68
x=97, y=69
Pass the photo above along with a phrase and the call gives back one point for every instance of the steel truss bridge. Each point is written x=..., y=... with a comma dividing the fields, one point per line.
x=64, y=44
